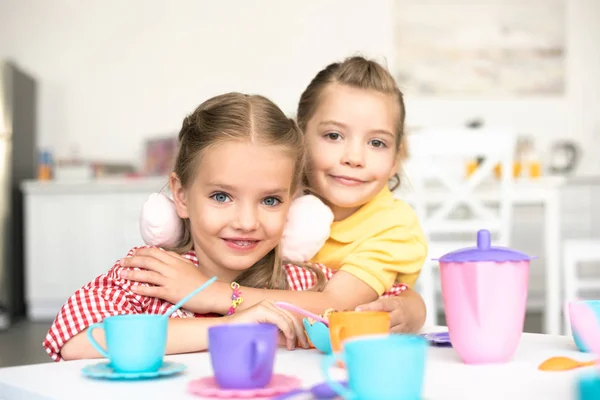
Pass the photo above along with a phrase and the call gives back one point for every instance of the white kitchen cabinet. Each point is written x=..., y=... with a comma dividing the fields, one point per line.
x=75, y=232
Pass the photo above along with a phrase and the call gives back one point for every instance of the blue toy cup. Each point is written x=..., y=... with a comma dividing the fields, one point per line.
x=588, y=386
x=380, y=367
x=594, y=305
x=134, y=343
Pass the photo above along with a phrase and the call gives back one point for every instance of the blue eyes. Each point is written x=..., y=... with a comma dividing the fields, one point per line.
x=334, y=136
x=221, y=197
x=271, y=201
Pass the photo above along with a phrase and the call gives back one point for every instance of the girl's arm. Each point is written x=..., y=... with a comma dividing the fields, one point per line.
x=343, y=292
x=406, y=307
x=185, y=335
x=172, y=277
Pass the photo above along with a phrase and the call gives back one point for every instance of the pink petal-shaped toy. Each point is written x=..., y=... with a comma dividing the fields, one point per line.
x=586, y=324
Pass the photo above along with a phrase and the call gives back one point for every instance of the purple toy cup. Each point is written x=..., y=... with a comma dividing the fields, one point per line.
x=243, y=355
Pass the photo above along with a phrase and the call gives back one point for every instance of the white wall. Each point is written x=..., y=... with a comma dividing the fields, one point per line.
x=114, y=72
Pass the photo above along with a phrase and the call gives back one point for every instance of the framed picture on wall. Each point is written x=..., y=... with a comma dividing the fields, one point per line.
x=485, y=47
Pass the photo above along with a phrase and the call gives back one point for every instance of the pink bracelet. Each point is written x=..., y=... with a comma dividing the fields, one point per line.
x=236, y=297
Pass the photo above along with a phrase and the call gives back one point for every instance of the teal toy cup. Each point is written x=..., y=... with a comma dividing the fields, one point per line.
x=134, y=343
x=588, y=386
x=380, y=367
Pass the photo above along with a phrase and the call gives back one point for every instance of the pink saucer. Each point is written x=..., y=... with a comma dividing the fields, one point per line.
x=207, y=386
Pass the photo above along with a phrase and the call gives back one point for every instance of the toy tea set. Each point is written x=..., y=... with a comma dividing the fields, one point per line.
x=484, y=290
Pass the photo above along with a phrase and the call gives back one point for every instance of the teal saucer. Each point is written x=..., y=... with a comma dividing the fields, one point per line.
x=104, y=370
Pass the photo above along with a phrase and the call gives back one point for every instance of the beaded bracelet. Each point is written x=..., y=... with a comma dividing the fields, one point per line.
x=236, y=297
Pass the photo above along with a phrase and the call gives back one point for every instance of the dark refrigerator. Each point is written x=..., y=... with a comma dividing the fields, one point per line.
x=18, y=160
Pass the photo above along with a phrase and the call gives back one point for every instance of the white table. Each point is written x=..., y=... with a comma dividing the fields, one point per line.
x=544, y=191
x=446, y=376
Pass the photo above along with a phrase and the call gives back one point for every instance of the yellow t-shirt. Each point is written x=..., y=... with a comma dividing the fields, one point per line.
x=380, y=243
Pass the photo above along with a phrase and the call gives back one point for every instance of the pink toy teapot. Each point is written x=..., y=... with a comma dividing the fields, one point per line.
x=484, y=289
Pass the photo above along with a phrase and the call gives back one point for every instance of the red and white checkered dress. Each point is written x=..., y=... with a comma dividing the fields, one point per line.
x=109, y=295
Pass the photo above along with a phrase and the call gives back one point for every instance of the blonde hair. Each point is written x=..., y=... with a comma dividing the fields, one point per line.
x=356, y=72
x=241, y=117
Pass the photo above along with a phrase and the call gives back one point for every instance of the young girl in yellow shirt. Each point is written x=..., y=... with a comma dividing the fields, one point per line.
x=352, y=115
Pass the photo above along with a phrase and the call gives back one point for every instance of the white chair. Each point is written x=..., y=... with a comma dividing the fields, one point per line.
x=575, y=252
x=451, y=206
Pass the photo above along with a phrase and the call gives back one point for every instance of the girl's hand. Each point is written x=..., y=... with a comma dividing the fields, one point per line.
x=171, y=276
x=266, y=312
x=407, y=311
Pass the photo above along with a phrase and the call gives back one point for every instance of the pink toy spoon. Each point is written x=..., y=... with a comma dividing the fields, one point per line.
x=585, y=323
x=306, y=313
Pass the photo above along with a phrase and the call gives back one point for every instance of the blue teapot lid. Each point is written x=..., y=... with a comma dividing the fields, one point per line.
x=484, y=252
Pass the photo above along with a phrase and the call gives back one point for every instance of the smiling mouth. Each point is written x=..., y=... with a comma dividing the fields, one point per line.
x=241, y=244
x=347, y=180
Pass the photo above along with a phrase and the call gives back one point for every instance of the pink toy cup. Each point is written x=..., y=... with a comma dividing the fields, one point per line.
x=484, y=289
